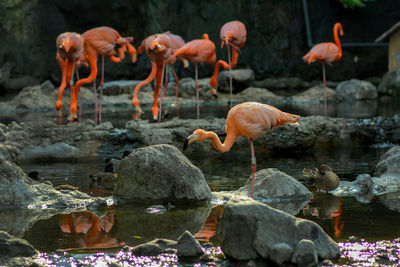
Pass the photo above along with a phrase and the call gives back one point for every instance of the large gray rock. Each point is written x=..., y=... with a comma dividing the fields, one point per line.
x=188, y=246
x=250, y=230
x=160, y=173
x=389, y=163
x=356, y=90
x=390, y=83
x=11, y=246
x=241, y=79
x=17, y=190
x=273, y=184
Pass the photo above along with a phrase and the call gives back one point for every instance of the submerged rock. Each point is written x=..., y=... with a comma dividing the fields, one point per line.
x=158, y=174
x=251, y=230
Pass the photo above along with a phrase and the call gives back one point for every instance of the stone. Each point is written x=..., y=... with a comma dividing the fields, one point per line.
x=261, y=94
x=241, y=79
x=305, y=253
x=356, y=90
x=154, y=247
x=187, y=88
x=281, y=252
x=122, y=87
x=16, y=84
x=249, y=227
x=160, y=173
x=390, y=83
x=389, y=162
x=188, y=246
x=273, y=184
x=11, y=246
x=315, y=95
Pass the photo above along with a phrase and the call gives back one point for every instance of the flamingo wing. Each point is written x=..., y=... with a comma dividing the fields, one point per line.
x=322, y=52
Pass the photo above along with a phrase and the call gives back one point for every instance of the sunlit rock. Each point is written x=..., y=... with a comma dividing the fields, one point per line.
x=249, y=229
x=389, y=163
x=275, y=185
x=158, y=174
x=356, y=90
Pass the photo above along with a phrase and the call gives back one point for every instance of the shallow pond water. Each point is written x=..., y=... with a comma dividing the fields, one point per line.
x=98, y=237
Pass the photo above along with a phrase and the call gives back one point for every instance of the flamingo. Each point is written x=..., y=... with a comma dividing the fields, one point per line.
x=158, y=48
x=100, y=41
x=233, y=34
x=197, y=51
x=327, y=52
x=251, y=119
x=176, y=42
x=70, y=55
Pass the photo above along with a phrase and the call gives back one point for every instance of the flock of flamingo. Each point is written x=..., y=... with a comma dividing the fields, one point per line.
x=249, y=119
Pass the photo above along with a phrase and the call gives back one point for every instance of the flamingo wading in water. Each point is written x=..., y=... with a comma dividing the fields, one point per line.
x=70, y=55
x=326, y=53
x=233, y=34
x=158, y=48
x=100, y=42
x=251, y=119
x=198, y=51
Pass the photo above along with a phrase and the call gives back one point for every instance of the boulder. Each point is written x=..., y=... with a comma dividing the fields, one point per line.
x=250, y=230
x=122, y=87
x=284, y=83
x=160, y=173
x=154, y=247
x=356, y=90
x=305, y=253
x=261, y=94
x=274, y=185
x=390, y=83
x=241, y=79
x=11, y=246
x=187, y=88
x=389, y=162
x=315, y=95
x=188, y=246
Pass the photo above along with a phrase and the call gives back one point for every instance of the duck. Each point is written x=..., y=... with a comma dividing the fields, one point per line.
x=323, y=178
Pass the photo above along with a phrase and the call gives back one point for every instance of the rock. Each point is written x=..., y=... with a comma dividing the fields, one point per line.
x=315, y=95
x=32, y=98
x=11, y=246
x=59, y=151
x=249, y=229
x=356, y=90
x=281, y=252
x=285, y=83
x=188, y=88
x=305, y=253
x=160, y=173
x=18, y=191
x=5, y=71
x=241, y=79
x=390, y=83
x=275, y=185
x=188, y=246
x=154, y=247
x=16, y=84
x=123, y=87
x=389, y=162
x=260, y=94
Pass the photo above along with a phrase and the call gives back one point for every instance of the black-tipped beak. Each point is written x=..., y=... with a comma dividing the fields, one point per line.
x=216, y=96
x=186, y=144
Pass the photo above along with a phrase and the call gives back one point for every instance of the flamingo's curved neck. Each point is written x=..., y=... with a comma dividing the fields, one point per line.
x=221, y=147
x=337, y=28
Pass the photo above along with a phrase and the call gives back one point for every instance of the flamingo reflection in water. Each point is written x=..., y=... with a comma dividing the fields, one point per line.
x=90, y=231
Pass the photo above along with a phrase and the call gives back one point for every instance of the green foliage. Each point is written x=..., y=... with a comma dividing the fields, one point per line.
x=353, y=3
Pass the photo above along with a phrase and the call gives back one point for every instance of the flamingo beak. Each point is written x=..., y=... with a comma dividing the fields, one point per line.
x=66, y=45
x=185, y=63
x=187, y=142
x=214, y=92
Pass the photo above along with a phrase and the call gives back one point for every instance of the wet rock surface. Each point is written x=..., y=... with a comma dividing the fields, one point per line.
x=15, y=251
x=259, y=228
x=158, y=174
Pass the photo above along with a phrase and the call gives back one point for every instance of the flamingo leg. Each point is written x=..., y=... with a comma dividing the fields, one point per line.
x=323, y=76
x=101, y=87
x=177, y=89
x=197, y=90
x=253, y=167
x=96, y=109
x=162, y=90
x=230, y=74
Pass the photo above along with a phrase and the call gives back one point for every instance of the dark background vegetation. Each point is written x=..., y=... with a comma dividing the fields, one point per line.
x=276, y=34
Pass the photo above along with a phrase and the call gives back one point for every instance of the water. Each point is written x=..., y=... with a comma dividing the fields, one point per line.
x=97, y=238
